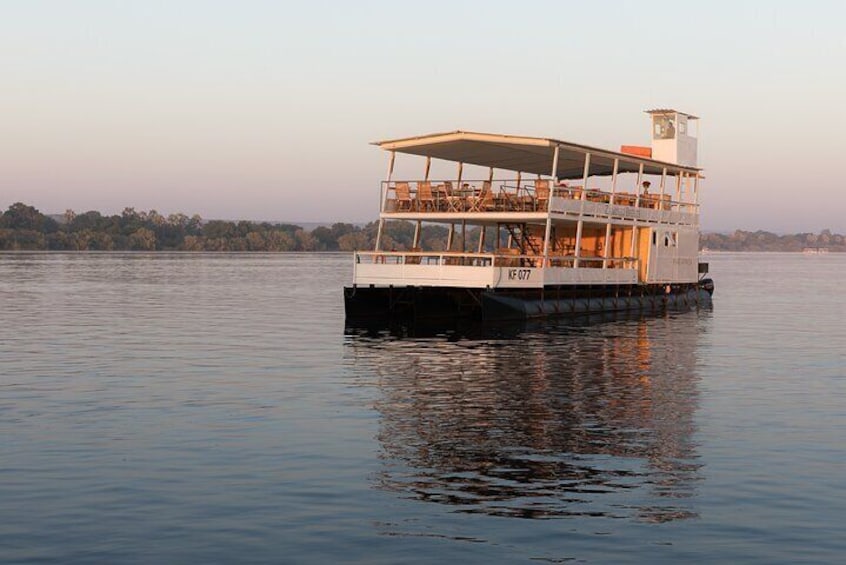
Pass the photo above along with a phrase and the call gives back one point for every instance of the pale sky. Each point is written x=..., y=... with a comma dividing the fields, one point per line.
x=265, y=109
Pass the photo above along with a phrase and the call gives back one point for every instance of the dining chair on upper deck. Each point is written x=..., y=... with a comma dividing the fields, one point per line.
x=403, y=196
x=452, y=201
x=425, y=197
x=484, y=201
x=542, y=194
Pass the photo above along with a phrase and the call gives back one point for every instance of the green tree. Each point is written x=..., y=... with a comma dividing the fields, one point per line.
x=20, y=216
x=142, y=239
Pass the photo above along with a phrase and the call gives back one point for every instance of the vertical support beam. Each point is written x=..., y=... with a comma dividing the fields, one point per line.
x=580, y=225
x=633, y=246
x=460, y=174
x=554, y=172
x=639, y=185
x=463, y=236
x=481, y=239
x=384, y=198
x=548, y=231
x=428, y=166
x=606, y=249
x=614, y=181
x=417, y=227
x=450, y=237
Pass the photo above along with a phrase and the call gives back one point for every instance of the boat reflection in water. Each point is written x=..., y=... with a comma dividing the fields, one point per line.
x=587, y=418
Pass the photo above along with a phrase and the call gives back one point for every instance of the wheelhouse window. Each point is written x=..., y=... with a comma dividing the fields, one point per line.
x=663, y=127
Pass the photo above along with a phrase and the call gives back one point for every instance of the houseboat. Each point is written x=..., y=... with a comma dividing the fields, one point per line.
x=539, y=227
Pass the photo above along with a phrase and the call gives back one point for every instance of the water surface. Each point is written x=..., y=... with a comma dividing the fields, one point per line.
x=214, y=408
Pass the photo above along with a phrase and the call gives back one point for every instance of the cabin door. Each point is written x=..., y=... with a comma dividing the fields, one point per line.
x=644, y=236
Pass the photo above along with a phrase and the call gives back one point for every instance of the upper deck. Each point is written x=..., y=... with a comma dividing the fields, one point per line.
x=565, y=184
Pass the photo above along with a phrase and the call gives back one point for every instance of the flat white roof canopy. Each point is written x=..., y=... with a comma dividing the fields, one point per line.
x=526, y=154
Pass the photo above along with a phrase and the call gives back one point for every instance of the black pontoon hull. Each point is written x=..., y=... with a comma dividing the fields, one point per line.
x=431, y=303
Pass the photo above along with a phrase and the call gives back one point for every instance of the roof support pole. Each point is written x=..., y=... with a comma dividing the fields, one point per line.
x=428, y=166
x=678, y=189
x=637, y=204
x=663, y=189
x=463, y=236
x=581, y=224
x=638, y=188
x=548, y=232
x=613, y=197
x=450, y=237
x=384, y=198
x=481, y=239
x=416, y=241
x=460, y=174
x=606, y=249
x=554, y=172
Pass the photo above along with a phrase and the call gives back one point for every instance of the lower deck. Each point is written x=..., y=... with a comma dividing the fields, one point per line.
x=531, y=253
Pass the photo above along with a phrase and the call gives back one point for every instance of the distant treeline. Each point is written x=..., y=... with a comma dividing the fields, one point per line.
x=23, y=227
x=766, y=241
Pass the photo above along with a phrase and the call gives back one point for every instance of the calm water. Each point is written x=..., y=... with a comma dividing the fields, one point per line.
x=212, y=408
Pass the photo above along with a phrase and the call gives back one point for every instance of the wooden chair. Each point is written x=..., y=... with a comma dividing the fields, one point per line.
x=485, y=201
x=403, y=196
x=541, y=194
x=425, y=197
x=413, y=259
x=452, y=202
x=625, y=199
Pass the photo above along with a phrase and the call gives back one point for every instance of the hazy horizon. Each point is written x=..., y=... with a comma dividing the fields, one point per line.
x=249, y=110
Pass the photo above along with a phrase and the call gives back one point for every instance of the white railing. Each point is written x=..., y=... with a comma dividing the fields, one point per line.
x=460, y=259
x=486, y=270
x=438, y=196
